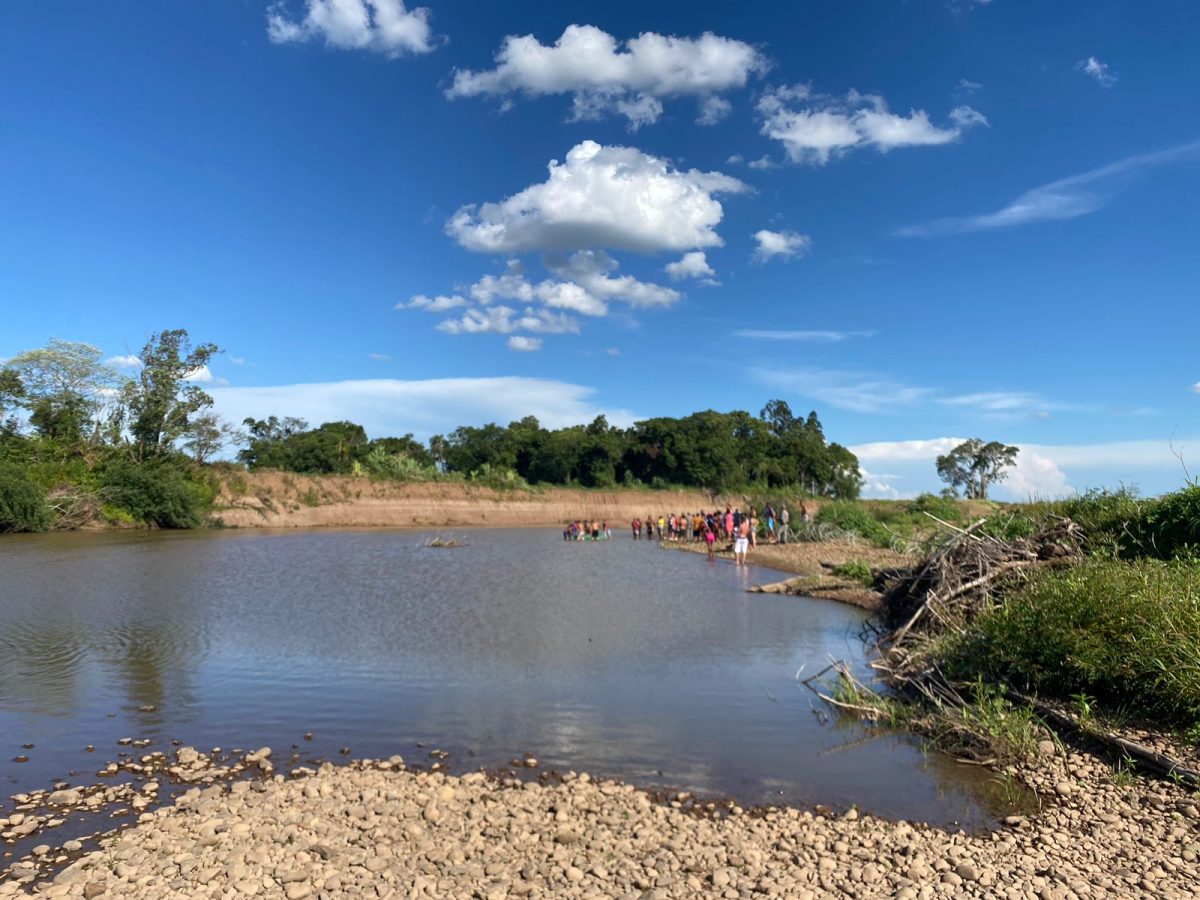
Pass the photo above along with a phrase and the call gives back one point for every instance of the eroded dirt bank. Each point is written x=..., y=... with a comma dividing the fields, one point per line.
x=375, y=829
x=280, y=500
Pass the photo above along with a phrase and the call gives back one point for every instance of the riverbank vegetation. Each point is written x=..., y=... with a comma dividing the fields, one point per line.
x=1082, y=613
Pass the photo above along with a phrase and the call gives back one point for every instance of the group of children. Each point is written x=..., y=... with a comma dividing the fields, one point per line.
x=580, y=530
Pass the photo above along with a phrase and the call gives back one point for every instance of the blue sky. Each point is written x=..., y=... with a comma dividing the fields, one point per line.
x=925, y=220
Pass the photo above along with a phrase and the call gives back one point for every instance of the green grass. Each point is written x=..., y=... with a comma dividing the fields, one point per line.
x=1103, y=634
x=857, y=570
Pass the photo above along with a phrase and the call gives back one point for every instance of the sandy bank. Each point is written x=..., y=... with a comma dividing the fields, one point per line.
x=375, y=829
x=268, y=499
x=812, y=562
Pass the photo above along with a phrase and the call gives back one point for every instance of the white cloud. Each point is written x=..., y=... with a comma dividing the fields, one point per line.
x=505, y=320
x=735, y=160
x=690, y=265
x=606, y=78
x=379, y=357
x=969, y=87
x=1036, y=473
x=713, y=110
x=1196, y=387
x=613, y=351
x=592, y=271
x=763, y=164
x=380, y=26
x=601, y=197
x=814, y=128
x=1066, y=198
x=523, y=344
x=1092, y=67
x=440, y=303
x=826, y=337
x=436, y=406
x=967, y=117
x=786, y=244
x=237, y=360
x=202, y=375
x=128, y=361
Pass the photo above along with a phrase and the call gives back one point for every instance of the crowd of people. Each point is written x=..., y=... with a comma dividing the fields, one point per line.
x=741, y=528
x=738, y=528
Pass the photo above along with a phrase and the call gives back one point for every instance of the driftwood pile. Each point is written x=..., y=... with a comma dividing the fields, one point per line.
x=966, y=570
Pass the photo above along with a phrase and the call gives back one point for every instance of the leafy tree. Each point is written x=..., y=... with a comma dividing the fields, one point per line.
x=207, y=435
x=266, y=439
x=63, y=385
x=165, y=397
x=973, y=465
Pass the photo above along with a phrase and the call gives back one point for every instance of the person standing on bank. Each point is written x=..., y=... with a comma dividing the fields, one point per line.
x=784, y=518
x=742, y=544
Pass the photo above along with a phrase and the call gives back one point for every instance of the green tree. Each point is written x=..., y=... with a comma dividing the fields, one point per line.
x=207, y=435
x=165, y=396
x=63, y=385
x=973, y=466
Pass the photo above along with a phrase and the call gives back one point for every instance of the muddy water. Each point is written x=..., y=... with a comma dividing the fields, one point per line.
x=615, y=658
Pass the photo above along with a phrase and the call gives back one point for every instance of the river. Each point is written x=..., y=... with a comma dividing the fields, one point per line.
x=613, y=658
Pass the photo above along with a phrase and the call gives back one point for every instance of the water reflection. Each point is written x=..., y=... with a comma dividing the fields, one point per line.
x=616, y=658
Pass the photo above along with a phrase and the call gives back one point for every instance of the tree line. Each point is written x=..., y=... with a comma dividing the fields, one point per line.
x=711, y=450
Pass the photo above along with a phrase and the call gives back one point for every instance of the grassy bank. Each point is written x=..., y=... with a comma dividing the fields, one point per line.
x=1087, y=609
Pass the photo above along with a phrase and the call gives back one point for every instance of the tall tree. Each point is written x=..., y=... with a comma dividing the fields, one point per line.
x=165, y=396
x=973, y=465
x=64, y=385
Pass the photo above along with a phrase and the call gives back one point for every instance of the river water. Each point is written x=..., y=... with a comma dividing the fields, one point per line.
x=615, y=658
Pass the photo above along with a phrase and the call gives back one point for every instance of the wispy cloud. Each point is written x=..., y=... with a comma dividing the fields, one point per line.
x=857, y=391
x=128, y=361
x=1067, y=198
x=782, y=244
x=1101, y=72
x=379, y=357
x=828, y=337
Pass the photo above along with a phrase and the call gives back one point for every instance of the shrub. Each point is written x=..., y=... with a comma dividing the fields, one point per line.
x=856, y=570
x=1126, y=633
x=846, y=515
x=1170, y=527
x=22, y=502
x=162, y=493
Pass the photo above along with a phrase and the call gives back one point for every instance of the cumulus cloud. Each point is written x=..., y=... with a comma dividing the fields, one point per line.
x=505, y=320
x=601, y=197
x=1092, y=67
x=593, y=271
x=523, y=344
x=690, y=265
x=128, y=361
x=436, y=406
x=1067, y=198
x=202, y=375
x=1036, y=473
x=785, y=244
x=605, y=77
x=815, y=128
x=440, y=303
x=379, y=26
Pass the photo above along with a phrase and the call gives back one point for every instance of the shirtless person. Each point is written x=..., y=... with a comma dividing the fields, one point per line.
x=742, y=544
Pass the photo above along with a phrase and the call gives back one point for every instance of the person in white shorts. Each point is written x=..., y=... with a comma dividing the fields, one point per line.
x=742, y=544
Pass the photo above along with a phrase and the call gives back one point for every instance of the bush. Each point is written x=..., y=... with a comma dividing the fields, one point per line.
x=852, y=517
x=1125, y=633
x=1170, y=527
x=1108, y=519
x=856, y=570
x=22, y=502
x=162, y=493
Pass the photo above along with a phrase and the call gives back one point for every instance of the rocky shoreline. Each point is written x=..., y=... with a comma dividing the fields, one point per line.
x=376, y=828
